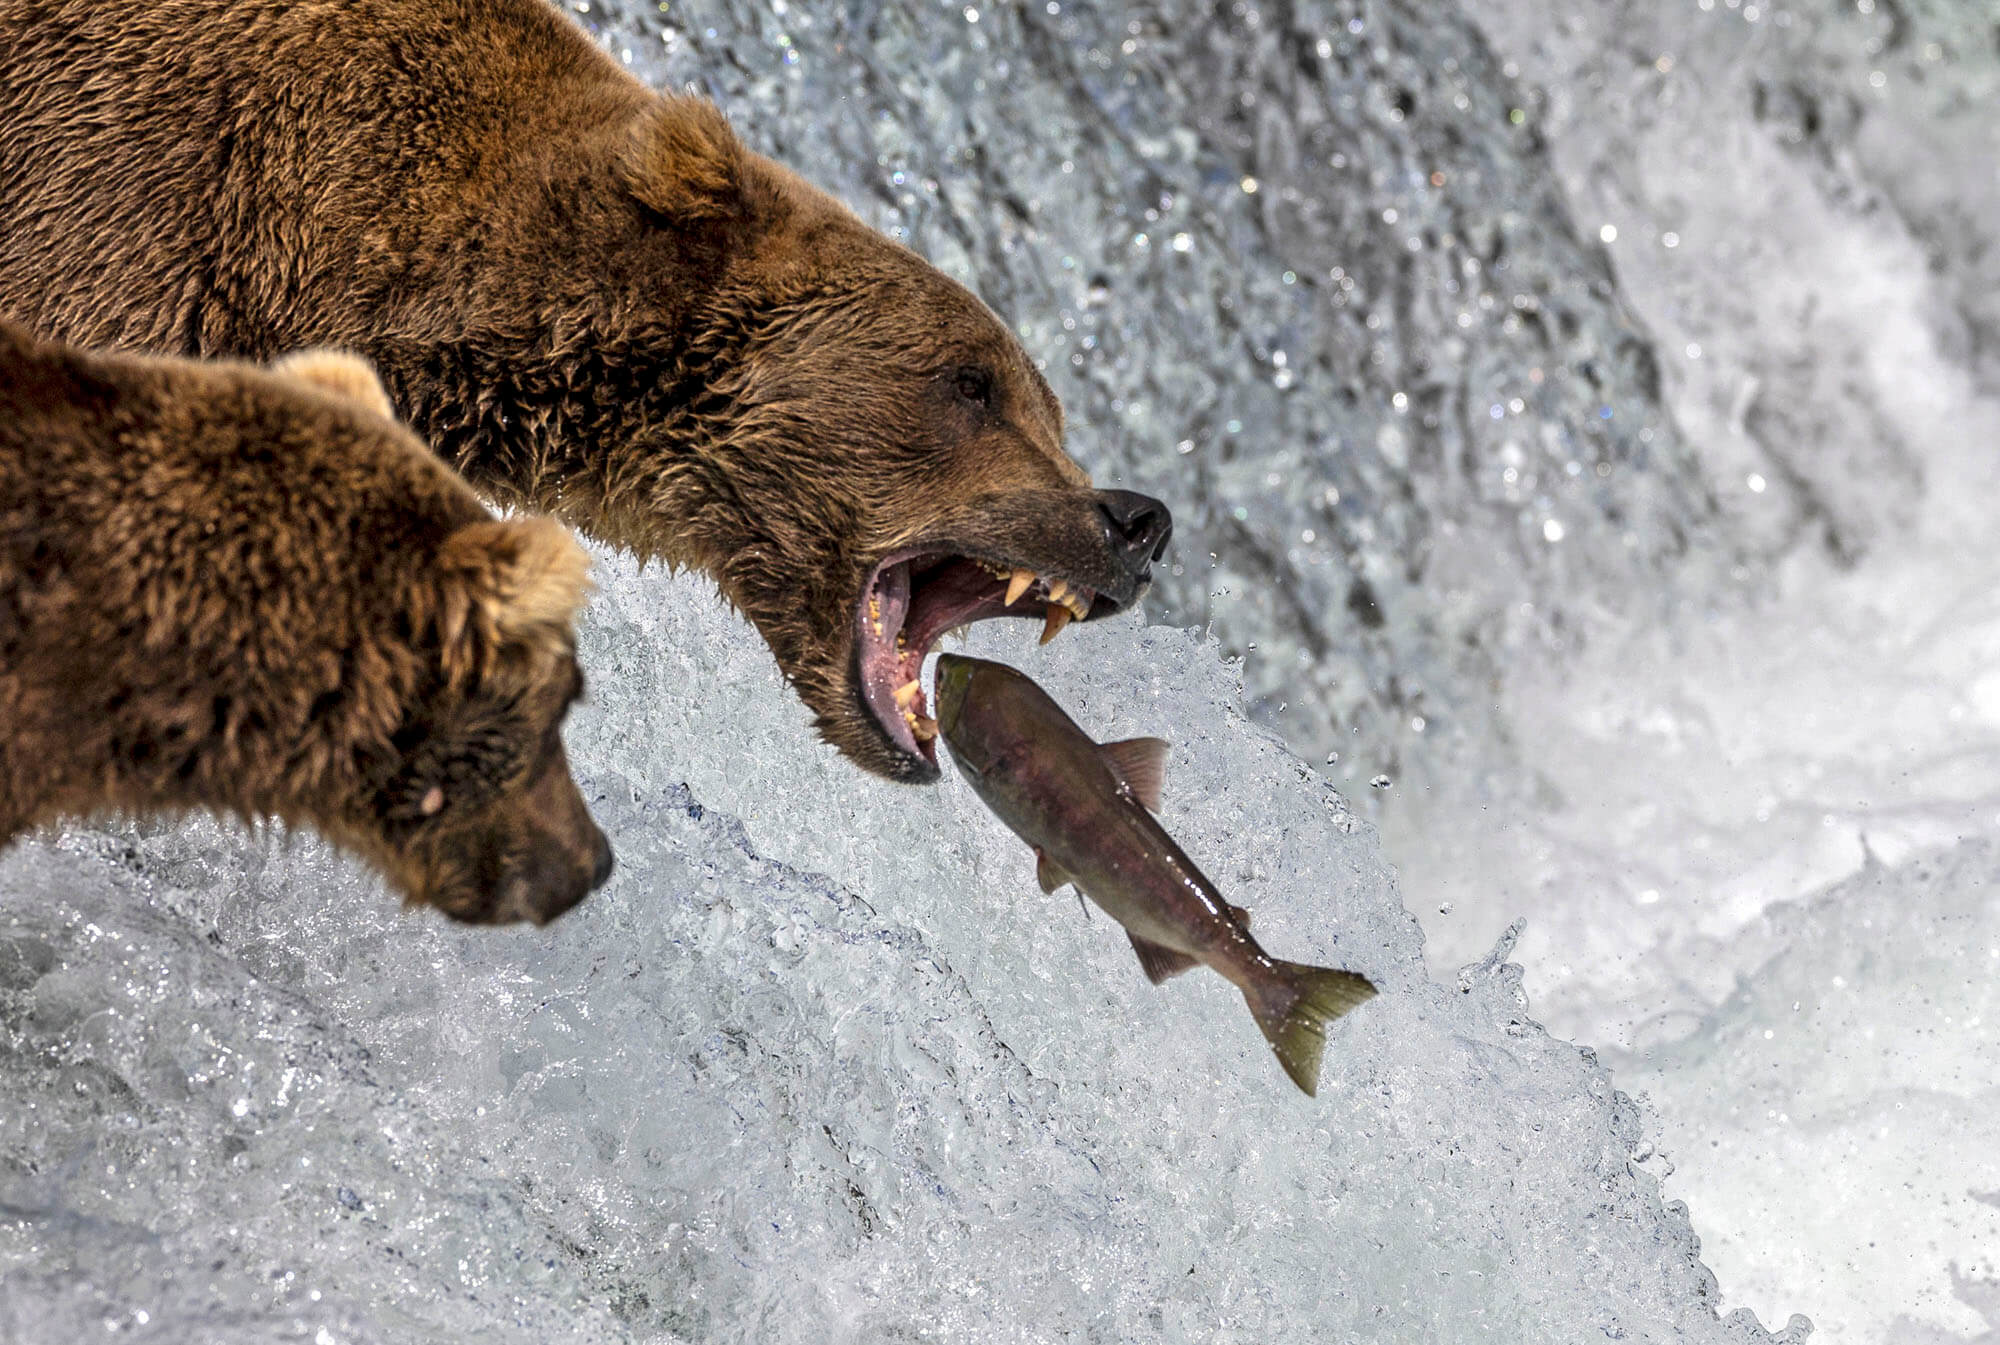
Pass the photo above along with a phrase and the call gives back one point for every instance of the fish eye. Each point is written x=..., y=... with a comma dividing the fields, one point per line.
x=974, y=385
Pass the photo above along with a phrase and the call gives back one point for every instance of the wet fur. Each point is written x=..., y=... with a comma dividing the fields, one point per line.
x=590, y=298
x=249, y=591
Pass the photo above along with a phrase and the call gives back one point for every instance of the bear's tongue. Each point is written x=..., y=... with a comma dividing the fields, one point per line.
x=911, y=602
x=889, y=666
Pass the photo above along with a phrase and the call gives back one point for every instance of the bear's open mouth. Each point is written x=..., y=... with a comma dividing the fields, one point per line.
x=912, y=598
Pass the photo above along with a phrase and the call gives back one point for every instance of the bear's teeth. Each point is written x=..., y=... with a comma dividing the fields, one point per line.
x=1057, y=618
x=1058, y=589
x=1019, y=585
x=907, y=693
x=1075, y=602
x=923, y=727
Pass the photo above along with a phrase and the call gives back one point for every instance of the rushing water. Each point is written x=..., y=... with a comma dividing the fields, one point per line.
x=1579, y=416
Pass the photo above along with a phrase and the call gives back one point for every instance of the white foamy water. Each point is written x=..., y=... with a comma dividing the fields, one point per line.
x=881, y=1089
x=1755, y=838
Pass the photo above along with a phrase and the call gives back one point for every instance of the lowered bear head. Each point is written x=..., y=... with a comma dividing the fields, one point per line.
x=252, y=591
x=474, y=810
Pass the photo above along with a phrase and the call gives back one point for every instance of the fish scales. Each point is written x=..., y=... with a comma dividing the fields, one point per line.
x=1085, y=809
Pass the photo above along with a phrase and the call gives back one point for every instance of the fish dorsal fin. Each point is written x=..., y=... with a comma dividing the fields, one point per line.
x=1048, y=873
x=1159, y=962
x=1142, y=764
x=1242, y=916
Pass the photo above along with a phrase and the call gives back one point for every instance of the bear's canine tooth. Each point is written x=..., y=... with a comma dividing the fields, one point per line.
x=1018, y=585
x=1058, y=617
x=907, y=693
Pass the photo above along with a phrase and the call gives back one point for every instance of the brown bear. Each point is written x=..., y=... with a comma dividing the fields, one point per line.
x=251, y=591
x=591, y=298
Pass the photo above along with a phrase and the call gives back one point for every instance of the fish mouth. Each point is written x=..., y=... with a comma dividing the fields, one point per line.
x=912, y=597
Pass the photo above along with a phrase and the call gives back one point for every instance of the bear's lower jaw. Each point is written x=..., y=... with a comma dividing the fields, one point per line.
x=908, y=600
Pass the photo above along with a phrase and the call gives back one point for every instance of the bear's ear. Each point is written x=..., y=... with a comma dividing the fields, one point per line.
x=684, y=162
x=511, y=581
x=346, y=376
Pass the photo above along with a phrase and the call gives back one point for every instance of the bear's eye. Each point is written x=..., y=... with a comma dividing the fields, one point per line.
x=974, y=384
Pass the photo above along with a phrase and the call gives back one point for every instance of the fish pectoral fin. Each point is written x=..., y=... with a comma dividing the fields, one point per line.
x=1142, y=764
x=1242, y=916
x=1050, y=874
x=1160, y=962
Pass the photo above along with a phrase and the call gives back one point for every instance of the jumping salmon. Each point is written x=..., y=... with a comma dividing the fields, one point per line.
x=1085, y=808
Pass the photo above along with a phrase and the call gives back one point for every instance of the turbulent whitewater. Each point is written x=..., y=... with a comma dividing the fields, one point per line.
x=822, y=1063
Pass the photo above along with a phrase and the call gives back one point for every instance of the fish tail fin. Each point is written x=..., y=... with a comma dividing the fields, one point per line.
x=1293, y=1012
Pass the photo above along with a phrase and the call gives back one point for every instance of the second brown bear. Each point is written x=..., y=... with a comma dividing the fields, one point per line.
x=252, y=591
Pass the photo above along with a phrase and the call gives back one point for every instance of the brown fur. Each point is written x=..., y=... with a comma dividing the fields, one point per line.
x=250, y=591
x=591, y=298
x=341, y=374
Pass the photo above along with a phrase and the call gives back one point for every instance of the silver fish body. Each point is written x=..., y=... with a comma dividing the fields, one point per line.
x=1085, y=808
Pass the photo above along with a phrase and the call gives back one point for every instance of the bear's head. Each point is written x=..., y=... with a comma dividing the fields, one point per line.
x=867, y=457
x=474, y=810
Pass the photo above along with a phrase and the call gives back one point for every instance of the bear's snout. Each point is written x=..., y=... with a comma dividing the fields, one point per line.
x=551, y=878
x=566, y=856
x=530, y=855
x=1137, y=528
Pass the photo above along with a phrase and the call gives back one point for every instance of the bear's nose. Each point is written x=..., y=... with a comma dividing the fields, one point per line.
x=1137, y=526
